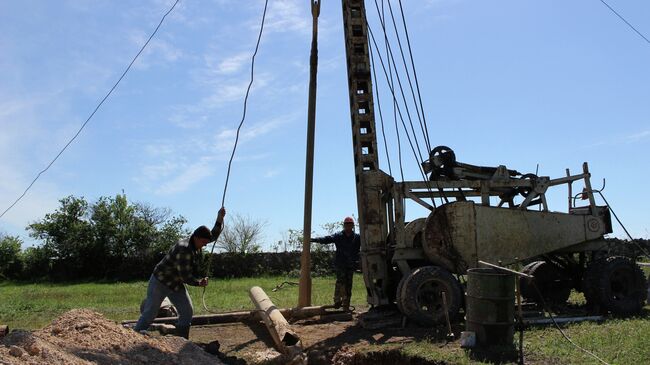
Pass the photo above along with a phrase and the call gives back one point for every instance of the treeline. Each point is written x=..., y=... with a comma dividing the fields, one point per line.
x=113, y=239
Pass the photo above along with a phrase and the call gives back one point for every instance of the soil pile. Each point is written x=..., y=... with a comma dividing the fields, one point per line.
x=81, y=337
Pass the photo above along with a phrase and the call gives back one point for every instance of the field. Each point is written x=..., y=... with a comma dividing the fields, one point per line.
x=31, y=306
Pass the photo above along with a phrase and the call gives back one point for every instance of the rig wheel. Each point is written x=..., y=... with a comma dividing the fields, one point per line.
x=615, y=284
x=419, y=295
x=554, y=286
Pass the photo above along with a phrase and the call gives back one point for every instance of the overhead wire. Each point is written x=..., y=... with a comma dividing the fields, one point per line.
x=95, y=110
x=625, y=21
x=234, y=147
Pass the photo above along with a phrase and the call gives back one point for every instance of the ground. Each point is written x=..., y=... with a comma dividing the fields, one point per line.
x=35, y=306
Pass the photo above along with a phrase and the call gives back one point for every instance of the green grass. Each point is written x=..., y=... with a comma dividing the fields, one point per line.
x=31, y=306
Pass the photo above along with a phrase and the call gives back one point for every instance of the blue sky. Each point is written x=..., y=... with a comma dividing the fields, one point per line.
x=519, y=83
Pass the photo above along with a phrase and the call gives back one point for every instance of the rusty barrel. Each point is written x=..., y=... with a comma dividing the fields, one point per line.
x=490, y=311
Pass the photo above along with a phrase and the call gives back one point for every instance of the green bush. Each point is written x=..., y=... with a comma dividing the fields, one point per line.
x=11, y=260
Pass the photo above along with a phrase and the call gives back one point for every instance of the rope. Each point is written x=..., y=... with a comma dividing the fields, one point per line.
x=281, y=286
x=94, y=111
x=234, y=148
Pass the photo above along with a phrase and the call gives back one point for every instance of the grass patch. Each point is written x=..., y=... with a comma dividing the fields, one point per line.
x=31, y=306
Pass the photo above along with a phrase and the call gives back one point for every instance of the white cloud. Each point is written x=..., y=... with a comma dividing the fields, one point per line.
x=233, y=64
x=271, y=173
x=286, y=16
x=158, y=51
x=626, y=139
x=174, y=167
x=221, y=92
x=20, y=131
x=636, y=137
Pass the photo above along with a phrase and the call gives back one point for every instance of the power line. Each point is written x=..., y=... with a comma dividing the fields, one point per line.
x=626, y=22
x=94, y=111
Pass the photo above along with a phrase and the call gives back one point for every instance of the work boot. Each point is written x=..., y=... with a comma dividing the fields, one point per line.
x=337, y=304
x=345, y=304
x=183, y=331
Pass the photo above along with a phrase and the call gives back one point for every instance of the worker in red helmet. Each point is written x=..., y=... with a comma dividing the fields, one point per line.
x=346, y=260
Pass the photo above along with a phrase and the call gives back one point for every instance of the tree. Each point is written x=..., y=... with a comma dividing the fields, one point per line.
x=10, y=256
x=241, y=235
x=68, y=235
x=110, y=238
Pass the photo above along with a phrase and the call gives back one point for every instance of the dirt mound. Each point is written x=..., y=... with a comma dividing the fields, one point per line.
x=82, y=337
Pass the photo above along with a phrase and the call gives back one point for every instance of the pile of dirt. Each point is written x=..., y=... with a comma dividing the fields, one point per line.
x=81, y=337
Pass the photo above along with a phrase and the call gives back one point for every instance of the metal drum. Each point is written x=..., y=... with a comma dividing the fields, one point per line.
x=490, y=309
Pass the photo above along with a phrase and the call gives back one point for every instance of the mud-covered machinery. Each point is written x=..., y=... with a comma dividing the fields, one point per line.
x=484, y=213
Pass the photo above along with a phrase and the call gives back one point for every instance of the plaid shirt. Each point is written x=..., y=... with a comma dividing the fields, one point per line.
x=181, y=263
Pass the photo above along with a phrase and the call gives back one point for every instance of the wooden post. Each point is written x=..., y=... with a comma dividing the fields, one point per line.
x=304, y=294
x=286, y=340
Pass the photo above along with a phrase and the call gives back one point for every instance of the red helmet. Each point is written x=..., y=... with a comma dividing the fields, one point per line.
x=348, y=220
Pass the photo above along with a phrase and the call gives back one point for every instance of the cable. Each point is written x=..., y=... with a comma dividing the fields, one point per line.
x=399, y=82
x=413, y=149
x=243, y=118
x=415, y=74
x=381, y=117
x=408, y=136
x=94, y=111
x=541, y=297
x=408, y=77
x=622, y=225
x=234, y=148
x=626, y=22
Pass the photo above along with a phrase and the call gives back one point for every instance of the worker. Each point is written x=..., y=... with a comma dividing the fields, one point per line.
x=346, y=260
x=177, y=268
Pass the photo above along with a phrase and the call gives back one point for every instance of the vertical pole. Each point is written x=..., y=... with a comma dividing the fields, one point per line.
x=304, y=294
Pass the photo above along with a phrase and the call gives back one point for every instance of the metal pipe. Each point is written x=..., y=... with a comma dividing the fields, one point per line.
x=505, y=269
x=286, y=340
x=304, y=291
x=241, y=316
x=563, y=320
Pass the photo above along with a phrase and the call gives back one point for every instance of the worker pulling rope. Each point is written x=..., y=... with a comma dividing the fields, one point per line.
x=234, y=148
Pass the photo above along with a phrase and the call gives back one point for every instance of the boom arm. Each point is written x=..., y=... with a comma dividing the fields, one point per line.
x=371, y=182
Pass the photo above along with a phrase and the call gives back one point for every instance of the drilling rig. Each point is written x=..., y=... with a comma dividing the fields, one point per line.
x=413, y=264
